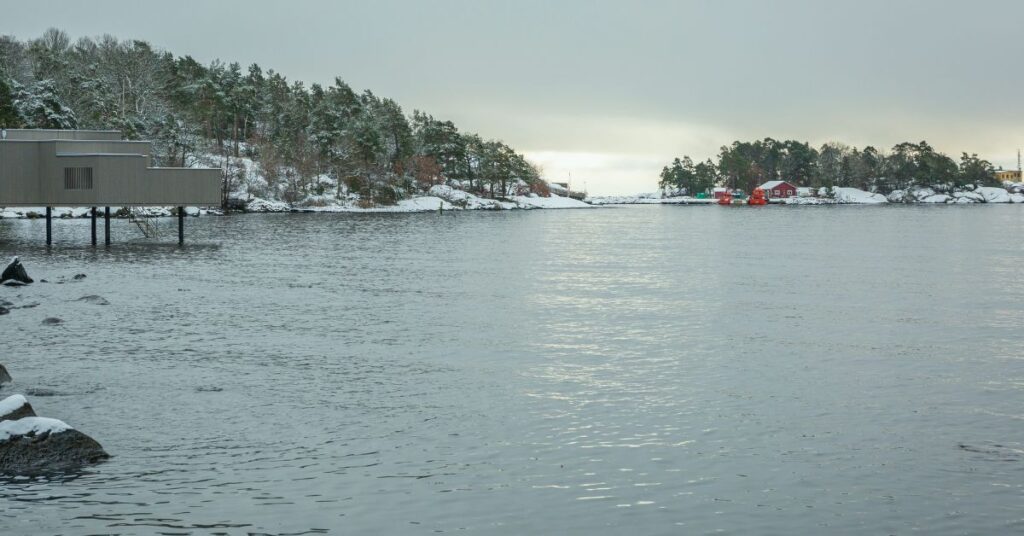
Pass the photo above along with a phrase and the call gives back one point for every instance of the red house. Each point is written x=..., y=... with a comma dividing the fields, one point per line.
x=778, y=189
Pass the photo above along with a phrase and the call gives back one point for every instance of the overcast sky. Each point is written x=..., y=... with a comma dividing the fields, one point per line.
x=611, y=91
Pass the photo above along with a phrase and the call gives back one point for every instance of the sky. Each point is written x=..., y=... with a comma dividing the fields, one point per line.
x=606, y=93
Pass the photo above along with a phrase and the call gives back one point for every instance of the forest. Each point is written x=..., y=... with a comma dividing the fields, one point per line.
x=307, y=142
x=746, y=165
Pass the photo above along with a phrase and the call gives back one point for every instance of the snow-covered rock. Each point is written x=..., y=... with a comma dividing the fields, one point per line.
x=897, y=196
x=920, y=193
x=936, y=198
x=554, y=201
x=463, y=199
x=15, y=407
x=808, y=201
x=262, y=205
x=1017, y=198
x=853, y=196
x=993, y=195
x=37, y=445
x=968, y=197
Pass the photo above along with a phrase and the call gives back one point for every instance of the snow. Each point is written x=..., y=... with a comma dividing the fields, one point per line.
x=11, y=404
x=464, y=200
x=968, y=197
x=808, y=201
x=31, y=425
x=853, y=196
x=555, y=201
x=993, y=195
x=645, y=199
x=1017, y=198
x=262, y=205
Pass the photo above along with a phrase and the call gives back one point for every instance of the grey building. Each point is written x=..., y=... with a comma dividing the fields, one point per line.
x=95, y=168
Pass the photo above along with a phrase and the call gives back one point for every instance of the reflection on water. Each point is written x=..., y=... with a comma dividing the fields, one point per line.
x=659, y=369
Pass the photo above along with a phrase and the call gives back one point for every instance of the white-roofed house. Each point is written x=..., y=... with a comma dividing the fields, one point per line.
x=778, y=189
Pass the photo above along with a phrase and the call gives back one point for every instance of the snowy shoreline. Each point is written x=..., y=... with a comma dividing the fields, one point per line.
x=845, y=196
x=444, y=198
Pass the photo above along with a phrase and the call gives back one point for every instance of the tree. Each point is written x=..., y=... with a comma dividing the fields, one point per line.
x=9, y=115
x=974, y=170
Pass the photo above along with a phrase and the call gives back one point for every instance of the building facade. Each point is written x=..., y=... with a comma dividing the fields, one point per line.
x=778, y=189
x=91, y=168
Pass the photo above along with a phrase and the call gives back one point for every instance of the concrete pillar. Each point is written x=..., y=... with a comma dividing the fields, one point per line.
x=106, y=225
x=49, y=230
x=92, y=215
x=181, y=226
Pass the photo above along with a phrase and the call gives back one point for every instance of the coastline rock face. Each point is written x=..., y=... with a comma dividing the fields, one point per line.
x=968, y=197
x=37, y=445
x=993, y=195
x=897, y=196
x=853, y=196
x=4, y=376
x=937, y=198
x=15, y=407
x=15, y=272
x=919, y=194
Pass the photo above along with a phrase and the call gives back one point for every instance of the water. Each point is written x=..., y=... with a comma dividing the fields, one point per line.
x=657, y=370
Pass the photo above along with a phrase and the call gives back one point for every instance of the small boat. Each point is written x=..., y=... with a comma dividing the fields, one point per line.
x=726, y=198
x=757, y=198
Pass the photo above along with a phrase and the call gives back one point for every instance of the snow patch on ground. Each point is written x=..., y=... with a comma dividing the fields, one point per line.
x=555, y=201
x=31, y=425
x=853, y=196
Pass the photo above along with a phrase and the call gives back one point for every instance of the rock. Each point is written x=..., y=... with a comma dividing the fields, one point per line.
x=936, y=198
x=1016, y=198
x=13, y=283
x=854, y=196
x=15, y=407
x=78, y=277
x=4, y=310
x=918, y=193
x=37, y=445
x=41, y=392
x=993, y=195
x=897, y=196
x=968, y=197
x=94, y=299
x=15, y=272
x=4, y=376
x=52, y=321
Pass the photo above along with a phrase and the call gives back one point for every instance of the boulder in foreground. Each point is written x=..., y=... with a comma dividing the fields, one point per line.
x=37, y=445
x=15, y=272
x=4, y=376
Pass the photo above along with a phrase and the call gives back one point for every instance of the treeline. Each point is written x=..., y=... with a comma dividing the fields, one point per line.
x=309, y=141
x=746, y=165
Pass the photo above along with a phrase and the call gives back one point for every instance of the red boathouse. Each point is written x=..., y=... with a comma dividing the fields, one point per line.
x=778, y=189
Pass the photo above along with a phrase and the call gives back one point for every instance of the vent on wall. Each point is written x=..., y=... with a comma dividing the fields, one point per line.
x=78, y=178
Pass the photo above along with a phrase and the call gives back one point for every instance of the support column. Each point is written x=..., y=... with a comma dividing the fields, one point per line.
x=93, y=217
x=181, y=226
x=49, y=230
x=106, y=225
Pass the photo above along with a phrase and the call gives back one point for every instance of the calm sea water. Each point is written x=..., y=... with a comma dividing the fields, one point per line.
x=656, y=370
